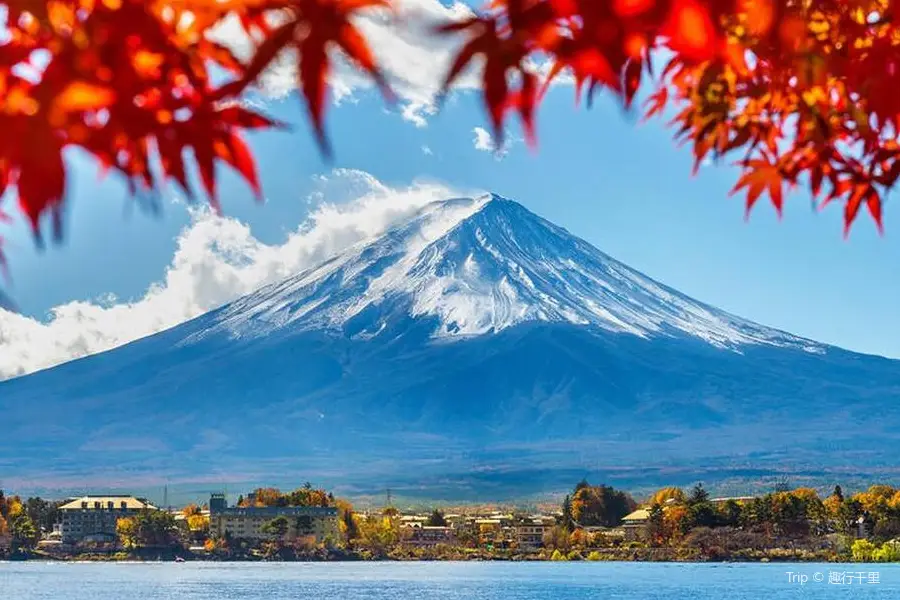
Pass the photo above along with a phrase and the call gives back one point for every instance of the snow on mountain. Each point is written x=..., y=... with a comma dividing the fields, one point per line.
x=478, y=266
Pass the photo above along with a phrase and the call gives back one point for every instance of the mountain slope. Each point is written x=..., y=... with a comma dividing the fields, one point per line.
x=475, y=348
x=480, y=266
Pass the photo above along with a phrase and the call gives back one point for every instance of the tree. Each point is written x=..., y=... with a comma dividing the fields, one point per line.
x=126, y=530
x=568, y=522
x=22, y=531
x=656, y=525
x=277, y=527
x=436, y=519
x=557, y=538
x=43, y=514
x=600, y=505
x=348, y=527
x=730, y=513
x=797, y=92
x=378, y=534
x=664, y=495
x=148, y=529
x=198, y=526
x=700, y=511
x=698, y=495
x=304, y=525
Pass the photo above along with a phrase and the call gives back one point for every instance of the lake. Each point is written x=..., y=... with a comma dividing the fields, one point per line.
x=443, y=580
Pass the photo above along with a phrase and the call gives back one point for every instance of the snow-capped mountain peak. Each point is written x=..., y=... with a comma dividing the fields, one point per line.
x=474, y=266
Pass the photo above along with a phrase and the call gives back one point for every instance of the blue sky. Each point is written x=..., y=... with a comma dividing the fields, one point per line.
x=623, y=186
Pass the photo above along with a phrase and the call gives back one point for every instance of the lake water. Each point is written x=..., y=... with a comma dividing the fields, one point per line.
x=442, y=581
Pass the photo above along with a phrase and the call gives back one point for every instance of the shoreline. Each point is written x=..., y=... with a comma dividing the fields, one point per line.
x=342, y=557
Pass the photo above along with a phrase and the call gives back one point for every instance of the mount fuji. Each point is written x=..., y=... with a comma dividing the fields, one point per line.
x=473, y=350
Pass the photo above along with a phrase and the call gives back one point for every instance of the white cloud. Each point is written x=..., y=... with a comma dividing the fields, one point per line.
x=217, y=260
x=427, y=151
x=484, y=142
x=413, y=56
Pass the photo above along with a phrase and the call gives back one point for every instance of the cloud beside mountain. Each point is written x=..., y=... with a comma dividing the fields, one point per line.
x=217, y=260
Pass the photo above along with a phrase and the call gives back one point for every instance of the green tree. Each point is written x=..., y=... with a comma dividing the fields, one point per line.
x=701, y=512
x=656, y=525
x=43, y=514
x=698, y=495
x=730, y=514
x=349, y=528
x=304, y=525
x=567, y=519
x=148, y=529
x=23, y=532
x=436, y=519
x=277, y=527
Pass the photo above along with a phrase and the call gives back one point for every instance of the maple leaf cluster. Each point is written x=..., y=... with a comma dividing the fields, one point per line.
x=129, y=81
x=795, y=90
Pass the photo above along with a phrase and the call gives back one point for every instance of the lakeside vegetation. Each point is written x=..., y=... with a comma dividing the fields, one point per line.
x=672, y=525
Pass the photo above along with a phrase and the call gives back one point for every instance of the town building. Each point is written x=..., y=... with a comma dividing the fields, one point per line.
x=413, y=520
x=249, y=523
x=425, y=536
x=530, y=533
x=94, y=518
x=635, y=524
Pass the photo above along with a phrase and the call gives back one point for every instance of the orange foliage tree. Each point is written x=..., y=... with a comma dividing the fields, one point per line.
x=795, y=91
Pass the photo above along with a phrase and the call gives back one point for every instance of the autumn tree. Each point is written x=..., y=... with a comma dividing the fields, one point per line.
x=378, y=533
x=600, y=505
x=793, y=92
x=126, y=531
x=22, y=530
x=667, y=495
x=148, y=529
x=198, y=526
x=349, y=529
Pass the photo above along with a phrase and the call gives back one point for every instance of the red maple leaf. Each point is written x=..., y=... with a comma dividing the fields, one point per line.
x=312, y=28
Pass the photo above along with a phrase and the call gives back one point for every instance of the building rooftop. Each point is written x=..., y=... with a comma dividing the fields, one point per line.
x=641, y=514
x=130, y=503
x=278, y=511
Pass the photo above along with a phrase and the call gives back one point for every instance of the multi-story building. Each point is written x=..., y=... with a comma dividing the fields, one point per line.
x=94, y=518
x=530, y=532
x=249, y=523
x=425, y=535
